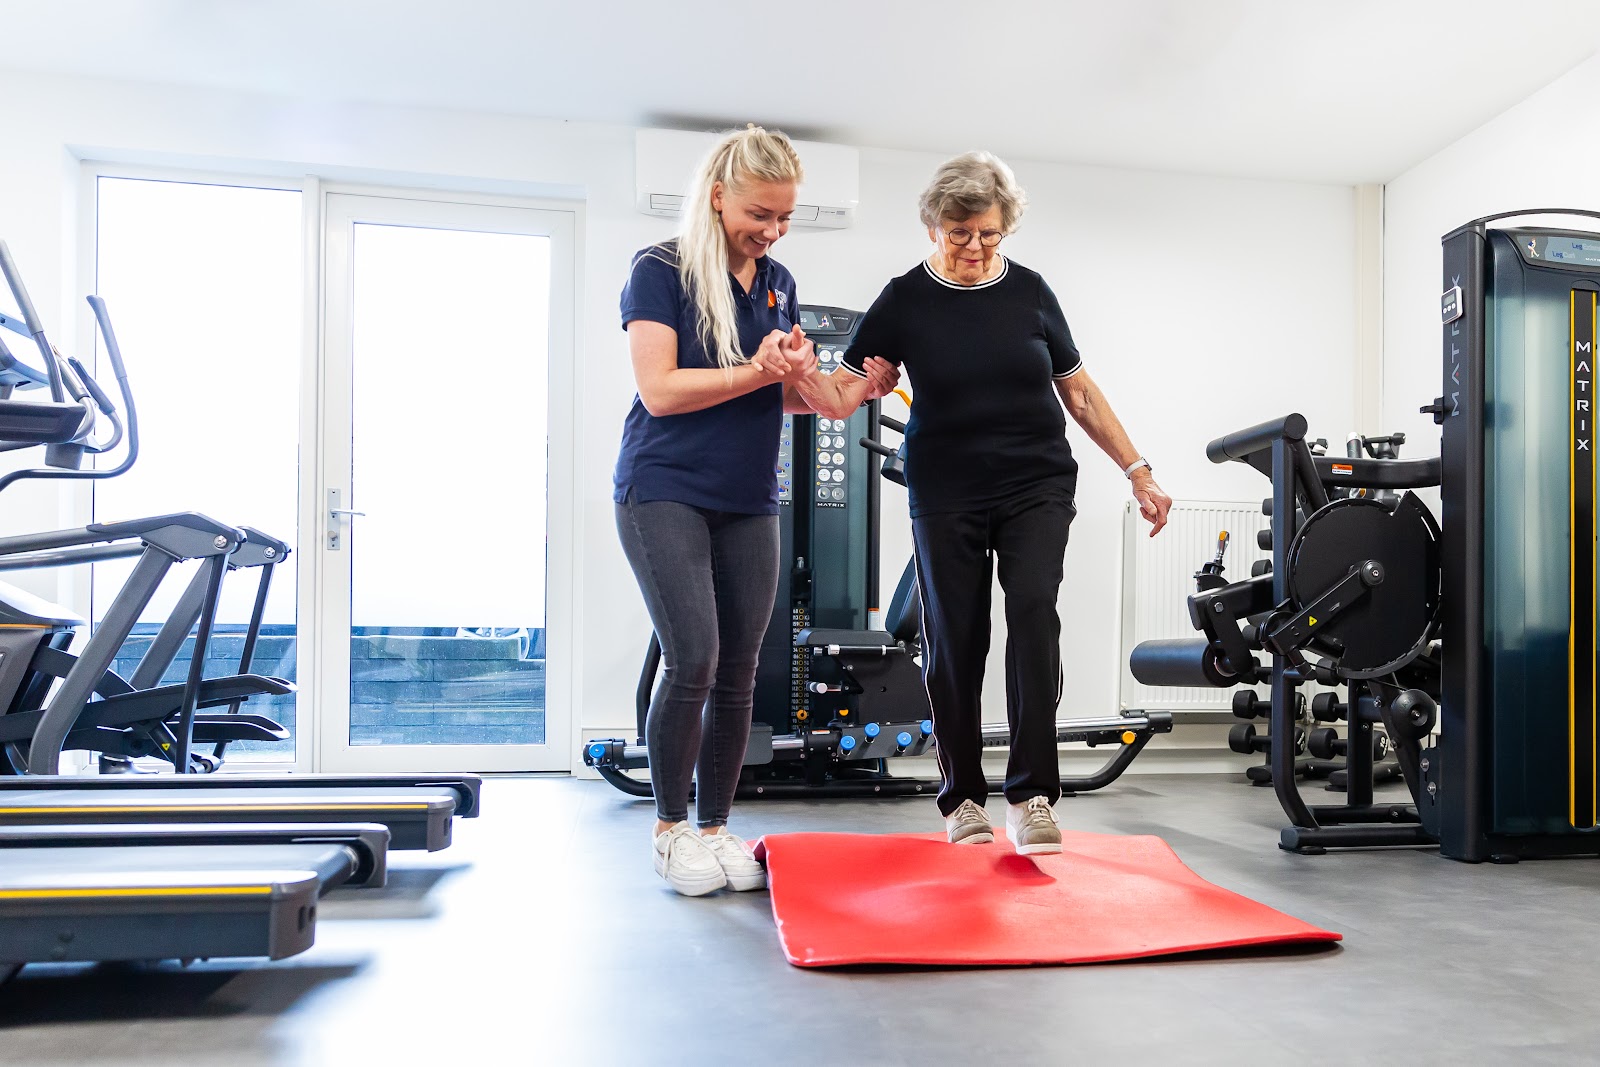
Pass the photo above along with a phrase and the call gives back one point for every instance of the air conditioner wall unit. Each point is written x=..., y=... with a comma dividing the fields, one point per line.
x=665, y=161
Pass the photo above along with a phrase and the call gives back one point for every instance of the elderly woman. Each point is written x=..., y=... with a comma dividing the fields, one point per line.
x=991, y=478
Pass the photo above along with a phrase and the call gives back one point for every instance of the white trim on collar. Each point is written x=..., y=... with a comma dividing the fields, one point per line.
x=1005, y=268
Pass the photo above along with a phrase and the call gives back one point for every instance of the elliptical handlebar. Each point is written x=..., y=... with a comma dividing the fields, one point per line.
x=92, y=396
x=107, y=407
x=30, y=318
x=119, y=370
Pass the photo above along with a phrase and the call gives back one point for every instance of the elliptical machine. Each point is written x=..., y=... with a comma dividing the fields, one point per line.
x=52, y=700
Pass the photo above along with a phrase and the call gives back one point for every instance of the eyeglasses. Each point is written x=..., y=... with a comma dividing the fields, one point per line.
x=988, y=238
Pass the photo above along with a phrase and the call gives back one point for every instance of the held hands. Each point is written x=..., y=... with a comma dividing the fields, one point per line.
x=785, y=356
x=1153, y=503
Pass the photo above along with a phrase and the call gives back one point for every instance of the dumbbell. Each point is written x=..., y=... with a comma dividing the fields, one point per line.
x=1325, y=707
x=1325, y=743
x=1244, y=740
x=1247, y=704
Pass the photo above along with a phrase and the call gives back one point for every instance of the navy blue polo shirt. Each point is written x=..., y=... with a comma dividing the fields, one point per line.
x=721, y=458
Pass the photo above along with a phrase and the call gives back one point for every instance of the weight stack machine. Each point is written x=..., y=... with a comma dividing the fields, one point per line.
x=1513, y=770
x=828, y=523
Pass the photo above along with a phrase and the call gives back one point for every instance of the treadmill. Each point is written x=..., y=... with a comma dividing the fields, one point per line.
x=157, y=901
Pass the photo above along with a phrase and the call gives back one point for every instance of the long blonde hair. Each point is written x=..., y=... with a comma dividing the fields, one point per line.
x=749, y=155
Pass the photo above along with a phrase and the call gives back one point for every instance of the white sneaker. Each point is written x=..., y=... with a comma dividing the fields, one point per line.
x=738, y=865
x=688, y=865
x=968, y=825
x=1032, y=827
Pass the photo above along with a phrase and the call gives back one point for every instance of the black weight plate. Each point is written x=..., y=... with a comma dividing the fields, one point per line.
x=1384, y=629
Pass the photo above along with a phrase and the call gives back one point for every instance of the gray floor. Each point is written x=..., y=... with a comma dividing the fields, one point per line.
x=543, y=937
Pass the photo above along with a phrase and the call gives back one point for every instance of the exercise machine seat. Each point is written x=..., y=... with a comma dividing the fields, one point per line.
x=904, y=619
x=904, y=622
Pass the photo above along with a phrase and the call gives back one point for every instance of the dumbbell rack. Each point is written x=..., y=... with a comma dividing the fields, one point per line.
x=1320, y=751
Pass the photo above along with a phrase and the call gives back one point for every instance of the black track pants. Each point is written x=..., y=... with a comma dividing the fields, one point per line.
x=956, y=554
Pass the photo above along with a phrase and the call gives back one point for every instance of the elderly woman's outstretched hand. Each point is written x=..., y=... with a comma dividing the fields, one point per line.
x=1153, y=503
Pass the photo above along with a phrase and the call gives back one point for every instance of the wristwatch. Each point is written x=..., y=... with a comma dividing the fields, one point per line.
x=1135, y=465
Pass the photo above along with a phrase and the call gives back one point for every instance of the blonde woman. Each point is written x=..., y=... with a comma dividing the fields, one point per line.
x=991, y=479
x=712, y=324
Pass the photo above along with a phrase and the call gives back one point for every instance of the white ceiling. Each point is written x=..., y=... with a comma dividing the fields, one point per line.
x=1336, y=90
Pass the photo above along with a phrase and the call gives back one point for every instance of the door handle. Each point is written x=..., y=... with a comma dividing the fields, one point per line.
x=335, y=542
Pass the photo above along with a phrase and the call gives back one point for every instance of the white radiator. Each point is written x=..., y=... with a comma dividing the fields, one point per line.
x=1158, y=576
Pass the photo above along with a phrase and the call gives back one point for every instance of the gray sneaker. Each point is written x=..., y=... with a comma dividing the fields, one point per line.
x=1032, y=827
x=968, y=825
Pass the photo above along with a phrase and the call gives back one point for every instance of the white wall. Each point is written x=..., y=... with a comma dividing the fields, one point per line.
x=1201, y=304
x=1542, y=153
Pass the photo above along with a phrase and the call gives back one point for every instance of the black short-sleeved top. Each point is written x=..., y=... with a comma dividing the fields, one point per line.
x=725, y=457
x=982, y=359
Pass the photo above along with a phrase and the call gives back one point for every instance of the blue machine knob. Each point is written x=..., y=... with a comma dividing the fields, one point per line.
x=873, y=729
x=927, y=727
x=903, y=739
x=846, y=743
x=596, y=751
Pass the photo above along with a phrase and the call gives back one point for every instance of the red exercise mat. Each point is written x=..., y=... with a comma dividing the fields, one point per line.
x=913, y=898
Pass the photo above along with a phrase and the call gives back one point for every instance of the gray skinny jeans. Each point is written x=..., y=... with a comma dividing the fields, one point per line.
x=708, y=579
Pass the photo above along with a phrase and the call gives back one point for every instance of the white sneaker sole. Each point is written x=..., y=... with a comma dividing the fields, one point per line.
x=699, y=886
x=1042, y=848
x=976, y=839
x=744, y=883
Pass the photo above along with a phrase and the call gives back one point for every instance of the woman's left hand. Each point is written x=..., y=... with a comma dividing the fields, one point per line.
x=1153, y=503
x=882, y=377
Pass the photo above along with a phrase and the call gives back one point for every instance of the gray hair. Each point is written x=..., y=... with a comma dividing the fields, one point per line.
x=969, y=185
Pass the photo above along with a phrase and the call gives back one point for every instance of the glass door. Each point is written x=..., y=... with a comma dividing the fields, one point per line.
x=204, y=279
x=447, y=328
